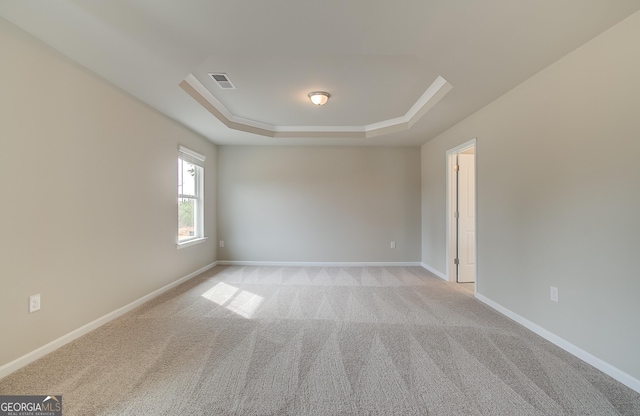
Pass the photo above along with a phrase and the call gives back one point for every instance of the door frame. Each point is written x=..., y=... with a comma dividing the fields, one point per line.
x=451, y=204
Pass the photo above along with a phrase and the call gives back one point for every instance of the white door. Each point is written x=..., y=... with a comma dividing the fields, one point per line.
x=466, y=219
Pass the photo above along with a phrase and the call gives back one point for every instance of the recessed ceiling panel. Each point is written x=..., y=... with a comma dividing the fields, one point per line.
x=274, y=90
x=370, y=95
x=434, y=93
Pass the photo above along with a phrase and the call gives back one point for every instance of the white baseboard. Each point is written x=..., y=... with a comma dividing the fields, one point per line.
x=28, y=358
x=601, y=365
x=314, y=263
x=434, y=271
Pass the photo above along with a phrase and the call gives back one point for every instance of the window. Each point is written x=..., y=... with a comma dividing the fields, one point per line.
x=190, y=196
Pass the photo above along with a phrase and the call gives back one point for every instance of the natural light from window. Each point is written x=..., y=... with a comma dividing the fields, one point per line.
x=190, y=195
x=187, y=201
x=234, y=299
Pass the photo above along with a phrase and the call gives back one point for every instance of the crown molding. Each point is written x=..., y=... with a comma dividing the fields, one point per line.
x=436, y=91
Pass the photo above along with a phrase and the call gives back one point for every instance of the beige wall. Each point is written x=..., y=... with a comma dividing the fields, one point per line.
x=319, y=204
x=558, y=197
x=88, y=213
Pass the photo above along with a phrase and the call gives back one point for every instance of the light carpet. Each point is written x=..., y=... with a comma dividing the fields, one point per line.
x=319, y=341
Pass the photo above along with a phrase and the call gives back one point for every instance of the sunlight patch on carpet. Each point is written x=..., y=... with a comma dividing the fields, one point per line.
x=241, y=302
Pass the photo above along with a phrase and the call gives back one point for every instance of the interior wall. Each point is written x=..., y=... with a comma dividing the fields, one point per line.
x=319, y=204
x=558, y=197
x=89, y=181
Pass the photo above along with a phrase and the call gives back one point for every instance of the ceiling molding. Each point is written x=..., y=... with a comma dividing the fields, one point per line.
x=436, y=91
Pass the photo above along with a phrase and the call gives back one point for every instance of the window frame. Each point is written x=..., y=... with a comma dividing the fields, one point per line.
x=197, y=160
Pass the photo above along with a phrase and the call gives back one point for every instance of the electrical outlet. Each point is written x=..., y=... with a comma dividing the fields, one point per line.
x=34, y=303
x=221, y=243
x=554, y=293
x=393, y=244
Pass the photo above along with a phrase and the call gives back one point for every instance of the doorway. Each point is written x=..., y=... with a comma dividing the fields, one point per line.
x=461, y=216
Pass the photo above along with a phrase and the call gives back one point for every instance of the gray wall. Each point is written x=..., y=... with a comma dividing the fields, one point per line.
x=319, y=204
x=88, y=214
x=558, y=197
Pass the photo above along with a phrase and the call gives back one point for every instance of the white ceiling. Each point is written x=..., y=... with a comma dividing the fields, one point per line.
x=375, y=58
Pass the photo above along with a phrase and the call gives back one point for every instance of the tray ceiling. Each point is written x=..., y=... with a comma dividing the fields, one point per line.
x=376, y=59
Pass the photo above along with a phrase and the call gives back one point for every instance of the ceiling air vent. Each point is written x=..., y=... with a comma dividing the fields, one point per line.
x=222, y=80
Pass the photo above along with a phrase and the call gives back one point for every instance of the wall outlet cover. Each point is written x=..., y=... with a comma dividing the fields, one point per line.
x=34, y=303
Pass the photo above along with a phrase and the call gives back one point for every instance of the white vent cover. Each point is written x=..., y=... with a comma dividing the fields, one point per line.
x=222, y=80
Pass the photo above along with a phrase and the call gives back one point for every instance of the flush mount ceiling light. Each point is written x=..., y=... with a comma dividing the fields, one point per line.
x=319, y=97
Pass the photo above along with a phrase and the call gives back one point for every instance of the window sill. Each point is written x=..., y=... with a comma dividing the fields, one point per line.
x=191, y=242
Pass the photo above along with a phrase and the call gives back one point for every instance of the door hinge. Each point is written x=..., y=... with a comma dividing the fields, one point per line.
x=456, y=168
x=456, y=261
x=456, y=214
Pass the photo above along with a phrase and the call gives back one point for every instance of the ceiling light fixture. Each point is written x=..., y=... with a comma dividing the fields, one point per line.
x=319, y=97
